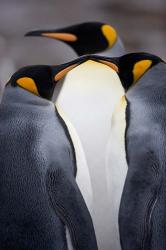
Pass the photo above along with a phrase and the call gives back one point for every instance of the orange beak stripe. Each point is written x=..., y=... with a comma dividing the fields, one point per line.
x=110, y=64
x=63, y=72
x=67, y=37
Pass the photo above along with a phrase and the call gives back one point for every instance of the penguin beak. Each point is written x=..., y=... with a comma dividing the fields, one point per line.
x=59, y=71
x=66, y=37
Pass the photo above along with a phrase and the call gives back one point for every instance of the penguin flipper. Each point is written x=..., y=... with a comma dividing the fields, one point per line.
x=68, y=203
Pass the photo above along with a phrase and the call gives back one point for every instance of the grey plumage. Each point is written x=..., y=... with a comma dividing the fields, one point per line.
x=116, y=50
x=38, y=192
x=143, y=204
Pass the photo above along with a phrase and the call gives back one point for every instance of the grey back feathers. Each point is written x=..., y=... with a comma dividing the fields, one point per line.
x=143, y=204
x=38, y=187
x=1, y=91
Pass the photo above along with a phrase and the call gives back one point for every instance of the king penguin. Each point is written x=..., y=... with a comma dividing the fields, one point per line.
x=143, y=205
x=87, y=38
x=87, y=97
x=39, y=195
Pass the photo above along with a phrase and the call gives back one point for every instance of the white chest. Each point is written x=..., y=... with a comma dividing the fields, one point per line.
x=88, y=98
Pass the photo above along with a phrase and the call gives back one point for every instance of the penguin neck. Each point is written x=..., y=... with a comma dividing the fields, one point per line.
x=115, y=51
x=16, y=95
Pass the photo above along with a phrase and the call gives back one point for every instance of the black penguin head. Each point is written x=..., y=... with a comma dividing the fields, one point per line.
x=134, y=65
x=130, y=67
x=84, y=38
x=35, y=79
x=41, y=79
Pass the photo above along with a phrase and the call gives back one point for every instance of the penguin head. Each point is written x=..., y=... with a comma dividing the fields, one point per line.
x=130, y=67
x=133, y=66
x=35, y=79
x=42, y=79
x=84, y=38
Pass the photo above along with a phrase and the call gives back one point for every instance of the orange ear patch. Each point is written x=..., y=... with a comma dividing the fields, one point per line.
x=110, y=64
x=63, y=72
x=110, y=34
x=140, y=68
x=28, y=84
x=67, y=37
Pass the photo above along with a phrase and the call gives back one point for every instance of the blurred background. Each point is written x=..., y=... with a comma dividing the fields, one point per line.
x=140, y=24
